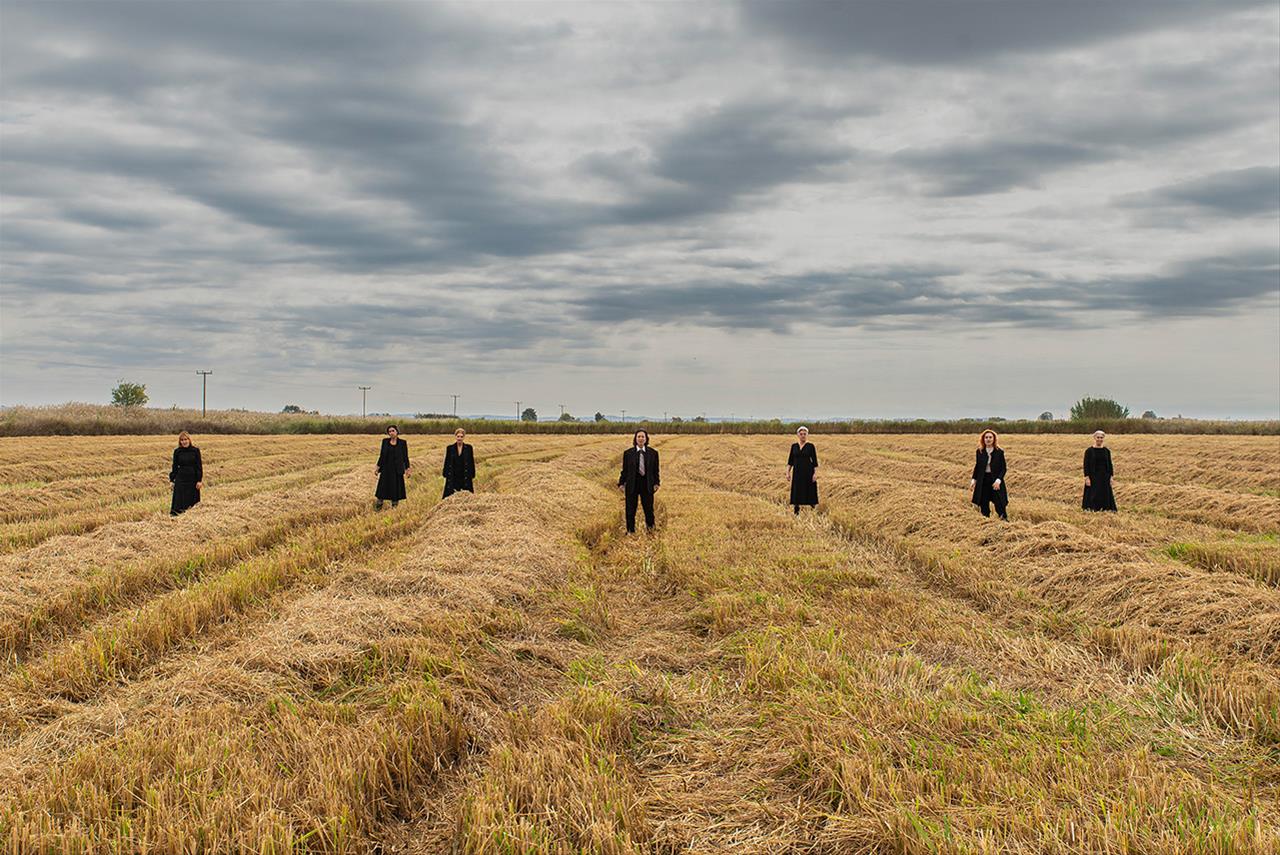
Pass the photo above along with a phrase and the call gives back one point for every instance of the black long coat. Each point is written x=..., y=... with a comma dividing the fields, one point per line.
x=803, y=463
x=187, y=471
x=459, y=469
x=998, y=469
x=630, y=476
x=393, y=461
x=1097, y=467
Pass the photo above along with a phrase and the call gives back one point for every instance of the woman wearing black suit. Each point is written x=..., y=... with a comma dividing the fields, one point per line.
x=392, y=468
x=1097, y=476
x=802, y=471
x=988, y=476
x=186, y=474
x=639, y=479
x=459, y=465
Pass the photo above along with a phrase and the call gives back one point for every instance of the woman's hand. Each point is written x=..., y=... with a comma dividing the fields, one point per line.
x=1088, y=482
x=377, y=470
x=655, y=488
x=995, y=485
x=815, y=477
x=973, y=482
x=199, y=485
x=406, y=473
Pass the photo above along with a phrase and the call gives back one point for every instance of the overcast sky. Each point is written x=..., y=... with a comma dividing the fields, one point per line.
x=944, y=208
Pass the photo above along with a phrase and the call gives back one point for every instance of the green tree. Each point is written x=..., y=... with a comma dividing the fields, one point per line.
x=600, y=417
x=699, y=419
x=1046, y=416
x=1098, y=408
x=292, y=408
x=529, y=415
x=566, y=417
x=1150, y=414
x=129, y=394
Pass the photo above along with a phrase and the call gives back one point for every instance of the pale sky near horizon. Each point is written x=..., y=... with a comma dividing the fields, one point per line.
x=927, y=208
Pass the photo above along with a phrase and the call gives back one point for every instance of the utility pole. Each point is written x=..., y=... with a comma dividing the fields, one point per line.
x=204, y=388
x=517, y=411
x=664, y=415
x=624, y=415
x=455, y=405
x=364, y=398
x=561, y=410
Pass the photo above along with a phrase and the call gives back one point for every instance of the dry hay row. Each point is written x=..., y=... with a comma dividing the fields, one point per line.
x=1155, y=615
x=89, y=495
x=1243, y=464
x=15, y=536
x=645, y=755
x=1219, y=508
x=64, y=582
x=866, y=679
x=95, y=457
x=325, y=724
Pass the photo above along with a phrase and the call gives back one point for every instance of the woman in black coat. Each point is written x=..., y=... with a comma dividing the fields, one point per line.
x=988, y=476
x=187, y=475
x=459, y=465
x=802, y=471
x=1097, y=476
x=392, y=468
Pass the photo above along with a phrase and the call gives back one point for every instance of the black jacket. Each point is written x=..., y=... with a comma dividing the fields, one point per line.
x=393, y=458
x=187, y=466
x=459, y=469
x=631, y=469
x=998, y=469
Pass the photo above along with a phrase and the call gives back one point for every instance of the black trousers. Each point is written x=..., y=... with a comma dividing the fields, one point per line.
x=644, y=496
x=989, y=495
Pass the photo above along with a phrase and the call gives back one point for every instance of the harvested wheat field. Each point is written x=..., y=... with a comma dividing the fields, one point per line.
x=285, y=669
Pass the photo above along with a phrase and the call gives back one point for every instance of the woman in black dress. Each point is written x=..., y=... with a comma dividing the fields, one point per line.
x=459, y=465
x=392, y=468
x=802, y=471
x=187, y=475
x=1097, y=476
x=988, y=476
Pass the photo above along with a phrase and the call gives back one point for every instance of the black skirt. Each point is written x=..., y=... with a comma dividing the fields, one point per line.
x=390, y=485
x=185, y=495
x=1098, y=496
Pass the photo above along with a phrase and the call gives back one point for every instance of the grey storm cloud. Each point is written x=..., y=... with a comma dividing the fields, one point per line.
x=942, y=32
x=342, y=186
x=1232, y=193
x=719, y=155
x=920, y=298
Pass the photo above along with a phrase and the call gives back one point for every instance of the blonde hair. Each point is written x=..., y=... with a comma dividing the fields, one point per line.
x=182, y=436
x=995, y=439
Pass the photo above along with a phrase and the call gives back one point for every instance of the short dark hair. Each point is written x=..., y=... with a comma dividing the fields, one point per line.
x=393, y=427
x=636, y=436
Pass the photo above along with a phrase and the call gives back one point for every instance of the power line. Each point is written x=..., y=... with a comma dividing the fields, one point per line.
x=364, y=392
x=204, y=389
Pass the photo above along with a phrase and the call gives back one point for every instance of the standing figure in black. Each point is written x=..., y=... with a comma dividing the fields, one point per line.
x=392, y=468
x=639, y=479
x=459, y=465
x=802, y=471
x=1097, y=476
x=187, y=475
x=988, y=476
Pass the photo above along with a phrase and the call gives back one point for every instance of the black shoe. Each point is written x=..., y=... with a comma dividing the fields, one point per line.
x=395, y=504
x=377, y=505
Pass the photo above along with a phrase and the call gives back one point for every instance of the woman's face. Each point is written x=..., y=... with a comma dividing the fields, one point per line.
x=184, y=441
x=803, y=434
x=459, y=434
x=988, y=439
x=1099, y=437
x=393, y=433
x=642, y=439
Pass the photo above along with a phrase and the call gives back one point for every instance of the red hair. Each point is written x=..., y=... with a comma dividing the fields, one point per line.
x=995, y=439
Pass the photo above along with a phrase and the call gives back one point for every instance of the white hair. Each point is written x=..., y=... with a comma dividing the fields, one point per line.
x=802, y=428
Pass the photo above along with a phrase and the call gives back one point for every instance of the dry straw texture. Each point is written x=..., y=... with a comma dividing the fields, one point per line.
x=285, y=669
